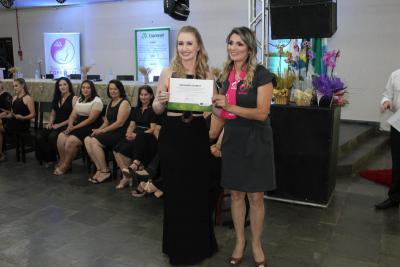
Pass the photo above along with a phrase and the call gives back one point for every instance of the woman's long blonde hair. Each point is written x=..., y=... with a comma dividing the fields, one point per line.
x=248, y=37
x=201, y=67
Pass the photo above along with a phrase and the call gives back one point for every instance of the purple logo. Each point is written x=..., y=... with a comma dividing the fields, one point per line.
x=62, y=51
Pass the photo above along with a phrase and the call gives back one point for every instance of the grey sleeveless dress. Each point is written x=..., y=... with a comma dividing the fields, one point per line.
x=247, y=145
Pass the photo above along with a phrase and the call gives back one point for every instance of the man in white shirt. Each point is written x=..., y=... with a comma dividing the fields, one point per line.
x=391, y=101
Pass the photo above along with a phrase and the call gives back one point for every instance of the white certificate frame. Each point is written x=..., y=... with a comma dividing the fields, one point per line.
x=190, y=94
x=152, y=50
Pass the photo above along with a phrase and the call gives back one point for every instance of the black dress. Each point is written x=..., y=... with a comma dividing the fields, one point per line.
x=247, y=147
x=110, y=139
x=19, y=108
x=142, y=121
x=47, y=139
x=188, y=233
x=5, y=102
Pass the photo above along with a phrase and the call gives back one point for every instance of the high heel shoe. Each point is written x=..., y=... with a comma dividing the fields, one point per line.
x=151, y=188
x=124, y=182
x=261, y=263
x=105, y=178
x=236, y=261
x=139, y=191
x=60, y=171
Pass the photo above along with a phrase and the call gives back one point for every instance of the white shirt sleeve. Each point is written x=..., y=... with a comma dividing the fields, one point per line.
x=97, y=104
x=388, y=92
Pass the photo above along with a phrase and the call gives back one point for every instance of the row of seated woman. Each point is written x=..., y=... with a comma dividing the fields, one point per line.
x=129, y=133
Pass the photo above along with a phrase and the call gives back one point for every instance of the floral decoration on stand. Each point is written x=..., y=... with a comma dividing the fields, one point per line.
x=145, y=72
x=85, y=69
x=284, y=82
x=299, y=62
x=330, y=88
x=13, y=72
x=284, y=79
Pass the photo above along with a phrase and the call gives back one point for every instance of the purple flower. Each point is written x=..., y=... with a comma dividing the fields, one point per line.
x=327, y=85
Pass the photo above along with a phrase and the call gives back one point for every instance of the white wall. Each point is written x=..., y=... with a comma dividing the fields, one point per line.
x=368, y=36
x=107, y=30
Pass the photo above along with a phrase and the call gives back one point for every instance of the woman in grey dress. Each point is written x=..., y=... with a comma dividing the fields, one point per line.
x=247, y=148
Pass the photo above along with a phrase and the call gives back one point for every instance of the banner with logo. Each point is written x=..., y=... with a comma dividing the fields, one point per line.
x=151, y=51
x=62, y=53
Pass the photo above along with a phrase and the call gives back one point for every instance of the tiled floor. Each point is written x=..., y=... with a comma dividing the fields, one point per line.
x=49, y=221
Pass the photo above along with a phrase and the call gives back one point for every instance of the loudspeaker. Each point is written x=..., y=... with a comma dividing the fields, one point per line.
x=292, y=19
x=177, y=9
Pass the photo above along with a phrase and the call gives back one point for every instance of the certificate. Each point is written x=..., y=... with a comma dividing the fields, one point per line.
x=190, y=94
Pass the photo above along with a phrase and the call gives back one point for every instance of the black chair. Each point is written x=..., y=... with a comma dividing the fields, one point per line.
x=75, y=76
x=49, y=76
x=125, y=77
x=155, y=78
x=94, y=77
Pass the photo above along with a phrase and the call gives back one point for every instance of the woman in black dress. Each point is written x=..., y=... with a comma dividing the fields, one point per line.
x=113, y=129
x=140, y=130
x=247, y=148
x=18, y=120
x=64, y=100
x=5, y=107
x=85, y=116
x=188, y=233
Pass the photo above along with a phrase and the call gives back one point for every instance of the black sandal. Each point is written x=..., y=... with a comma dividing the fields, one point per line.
x=137, y=193
x=130, y=172
x=95, y=181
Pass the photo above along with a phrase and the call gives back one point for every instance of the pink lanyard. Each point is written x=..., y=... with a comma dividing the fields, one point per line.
x=231, y=93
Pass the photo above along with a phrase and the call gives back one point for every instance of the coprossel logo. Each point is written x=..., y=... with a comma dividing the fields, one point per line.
x=62, y=51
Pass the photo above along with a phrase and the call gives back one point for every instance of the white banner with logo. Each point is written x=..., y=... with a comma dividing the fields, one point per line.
x=62, y=53
x=151, y=50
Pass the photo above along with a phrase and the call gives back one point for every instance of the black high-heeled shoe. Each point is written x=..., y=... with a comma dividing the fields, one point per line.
x=236, y=261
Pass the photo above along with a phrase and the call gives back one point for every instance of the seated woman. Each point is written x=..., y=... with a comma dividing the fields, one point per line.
x=141, y=123
x=113, y=129
x=64, y=100
x=145, y=155
x=5, y=106
x=84, y=117
x=150, y=181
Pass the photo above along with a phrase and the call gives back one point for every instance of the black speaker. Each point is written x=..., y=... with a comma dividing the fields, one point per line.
x=291, y=19
x=305, y=151
x=177, y=9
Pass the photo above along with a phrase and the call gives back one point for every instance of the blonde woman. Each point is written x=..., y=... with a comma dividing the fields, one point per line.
x=188, y=234
x=247, y=148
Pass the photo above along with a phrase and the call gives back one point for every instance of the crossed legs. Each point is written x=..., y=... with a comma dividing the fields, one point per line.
x=67, y=146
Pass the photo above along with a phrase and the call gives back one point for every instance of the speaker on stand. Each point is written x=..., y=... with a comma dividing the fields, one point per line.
x=295, y=19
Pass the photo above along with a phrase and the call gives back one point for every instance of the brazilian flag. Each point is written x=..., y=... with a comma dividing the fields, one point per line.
x=319, y=47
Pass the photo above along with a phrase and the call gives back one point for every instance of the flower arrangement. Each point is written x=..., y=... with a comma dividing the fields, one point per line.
x=300, y=58
x=284, y=82
x=13, y=72
x=145, y=72
x=85, y=69
x=330, y=89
